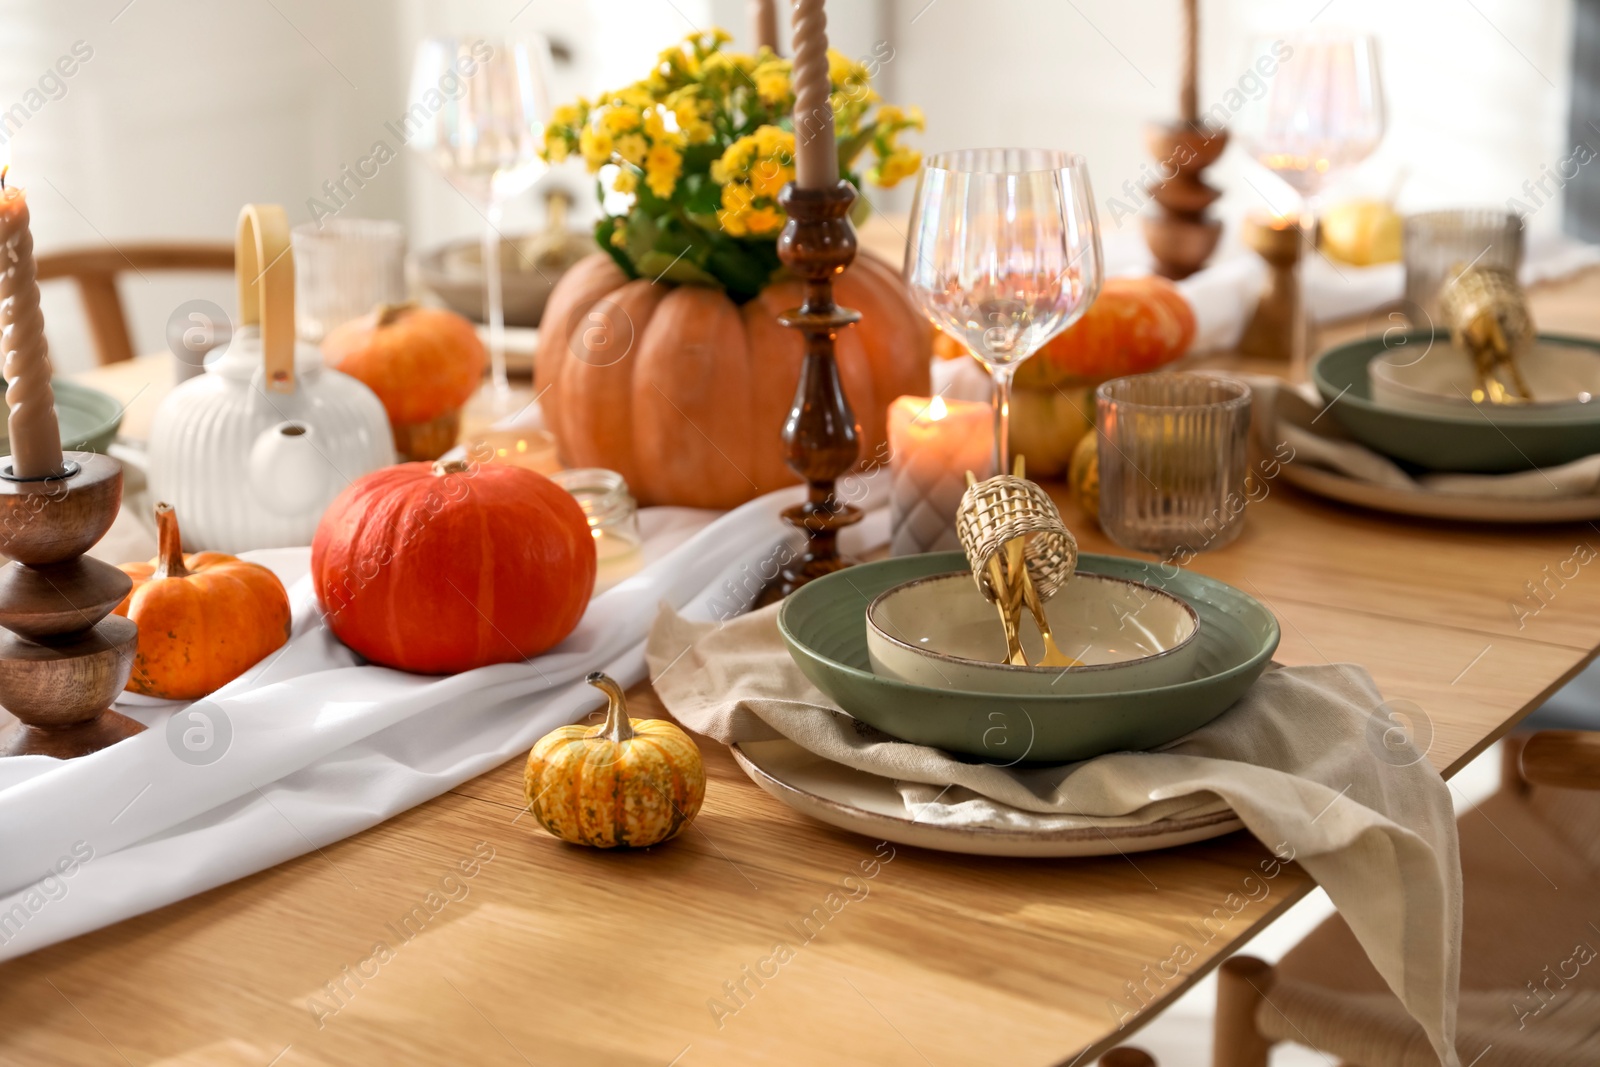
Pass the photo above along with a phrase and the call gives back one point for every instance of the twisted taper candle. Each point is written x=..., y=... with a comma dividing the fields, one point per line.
x=35, y=434
x=816, y=158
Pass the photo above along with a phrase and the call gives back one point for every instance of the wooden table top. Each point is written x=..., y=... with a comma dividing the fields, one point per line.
x=553, y=954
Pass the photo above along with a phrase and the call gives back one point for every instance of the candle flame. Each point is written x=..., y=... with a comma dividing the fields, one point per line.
x=3, y=171
x=937, y=409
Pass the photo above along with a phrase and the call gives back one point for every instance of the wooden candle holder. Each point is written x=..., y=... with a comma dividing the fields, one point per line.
x=821, y=441
x=65, y=657
x=1182, y=235
x=1270, y=334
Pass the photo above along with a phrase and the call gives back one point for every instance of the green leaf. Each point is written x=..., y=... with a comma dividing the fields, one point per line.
x=643, y=233
x=659, y=266
x=850, y=147
x=602, y=235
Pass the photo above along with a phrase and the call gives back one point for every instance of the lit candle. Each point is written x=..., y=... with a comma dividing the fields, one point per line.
x=764, y=20
x=816, y=158
x=932, y=444
x=35, y=435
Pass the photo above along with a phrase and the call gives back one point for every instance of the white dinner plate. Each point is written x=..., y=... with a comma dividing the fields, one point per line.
x=1428, y=505
x=868, y=804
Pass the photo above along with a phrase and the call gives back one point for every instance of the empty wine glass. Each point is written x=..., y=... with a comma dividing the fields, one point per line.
x=1004, y=254
x=1322, y=112
x=477, y=109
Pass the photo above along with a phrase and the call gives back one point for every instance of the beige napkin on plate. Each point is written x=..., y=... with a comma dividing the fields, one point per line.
x=1303, y=759
x=1297, y=415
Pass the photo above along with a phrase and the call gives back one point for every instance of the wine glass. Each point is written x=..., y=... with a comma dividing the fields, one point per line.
x=1322, y=112
x=477, y=112
x=1004, y=254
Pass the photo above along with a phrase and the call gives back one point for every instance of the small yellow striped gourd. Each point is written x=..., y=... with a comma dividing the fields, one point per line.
x=626, y=783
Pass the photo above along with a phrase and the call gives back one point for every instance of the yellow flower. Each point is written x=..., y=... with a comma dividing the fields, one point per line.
x=619, y=235
x=768, y=177
x=555, y=145
x=627, y=180
x=895, y=167
x=695, y=128
x=566, y=115
x=632, y=147
x=764, y=220
x=595, y=144
x=842, y=69
x=661, y=169
x=619, y=119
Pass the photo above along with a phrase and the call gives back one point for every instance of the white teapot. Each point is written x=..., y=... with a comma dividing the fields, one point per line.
x=253, y=451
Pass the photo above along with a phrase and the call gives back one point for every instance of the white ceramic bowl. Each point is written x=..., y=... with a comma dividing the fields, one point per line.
x=941, y=632
x=1564, y=379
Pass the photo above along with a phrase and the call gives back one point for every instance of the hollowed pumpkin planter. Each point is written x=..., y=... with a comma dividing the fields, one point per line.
x=684, y=393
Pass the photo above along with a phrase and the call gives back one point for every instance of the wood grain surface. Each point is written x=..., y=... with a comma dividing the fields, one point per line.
x=550, y=954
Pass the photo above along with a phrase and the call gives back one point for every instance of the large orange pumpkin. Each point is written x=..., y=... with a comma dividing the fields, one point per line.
x=684, y=393
x=203, y=619
x=445, y=567
x=1135, y=325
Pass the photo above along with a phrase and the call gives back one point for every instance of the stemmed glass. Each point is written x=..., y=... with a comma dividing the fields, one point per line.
x=477, y=112
x=1322, y=113
x=1004, y=254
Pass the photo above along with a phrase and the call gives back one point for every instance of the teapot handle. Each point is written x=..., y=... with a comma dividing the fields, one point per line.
x=265, y=271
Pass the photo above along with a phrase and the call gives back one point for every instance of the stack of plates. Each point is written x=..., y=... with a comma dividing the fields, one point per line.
x=825, y=627
x=1408, y=396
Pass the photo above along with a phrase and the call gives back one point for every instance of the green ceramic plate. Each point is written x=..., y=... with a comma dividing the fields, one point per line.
x=1468, y=442
x=824, y=625
x=88, y=418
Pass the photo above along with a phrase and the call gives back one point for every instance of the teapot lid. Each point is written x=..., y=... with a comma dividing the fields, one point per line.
x=265, y=273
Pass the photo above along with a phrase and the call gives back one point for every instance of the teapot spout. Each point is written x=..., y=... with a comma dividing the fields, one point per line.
x=288, y=472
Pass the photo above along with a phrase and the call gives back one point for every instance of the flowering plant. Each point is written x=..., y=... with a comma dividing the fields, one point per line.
x=689, y=162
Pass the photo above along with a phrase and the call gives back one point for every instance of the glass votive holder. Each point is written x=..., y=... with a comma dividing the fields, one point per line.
x=611, y=510
x=1174, y=454
x=1440, y=243
x=534, y=450
x=343, y=269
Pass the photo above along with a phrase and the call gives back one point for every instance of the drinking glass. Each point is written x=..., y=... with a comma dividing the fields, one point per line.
x=1004, y=253
x=1322, y=112
x=477, y=112
x=1173, y=454
x=1439, y=243
x=343, y=268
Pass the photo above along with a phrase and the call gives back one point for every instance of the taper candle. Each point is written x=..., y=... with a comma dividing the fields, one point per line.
x=1189, y=91
x=764, y=21
x=816, y=159
x=933, y=442
x=35, y=434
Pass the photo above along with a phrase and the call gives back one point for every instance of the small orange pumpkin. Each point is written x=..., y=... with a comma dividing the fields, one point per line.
x=203, y=619
x=424, y=364
x=1134, y=325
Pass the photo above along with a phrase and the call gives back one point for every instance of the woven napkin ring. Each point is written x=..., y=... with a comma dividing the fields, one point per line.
x=1004, y=507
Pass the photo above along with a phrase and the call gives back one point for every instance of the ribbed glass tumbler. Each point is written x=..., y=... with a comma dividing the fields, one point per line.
x=1173, y=460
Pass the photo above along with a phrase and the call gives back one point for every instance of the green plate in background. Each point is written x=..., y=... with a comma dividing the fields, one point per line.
x=1469, y=442
x=88, y=418
x=824, y=625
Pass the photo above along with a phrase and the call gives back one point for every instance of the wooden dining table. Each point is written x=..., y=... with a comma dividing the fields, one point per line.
x=552, y=954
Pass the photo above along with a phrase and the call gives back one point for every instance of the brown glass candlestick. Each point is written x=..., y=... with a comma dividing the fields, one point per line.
x=65, y=657
x=821, y=441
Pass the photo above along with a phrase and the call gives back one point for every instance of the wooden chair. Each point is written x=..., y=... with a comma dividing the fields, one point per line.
x=1530, y=979
x=96, y=269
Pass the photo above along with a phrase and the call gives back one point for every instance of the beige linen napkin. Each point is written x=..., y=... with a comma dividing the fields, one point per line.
x=1298, y=759
x=1296, y=415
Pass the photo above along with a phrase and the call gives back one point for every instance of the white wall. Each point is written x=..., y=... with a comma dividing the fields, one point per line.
x=1476, y=101
x=187, y=110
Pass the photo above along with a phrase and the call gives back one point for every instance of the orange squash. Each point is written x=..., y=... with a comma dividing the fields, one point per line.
x=424, y=364
x=684, y=393
x=445, y=567
x=203, y=619
x=1135, y=325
